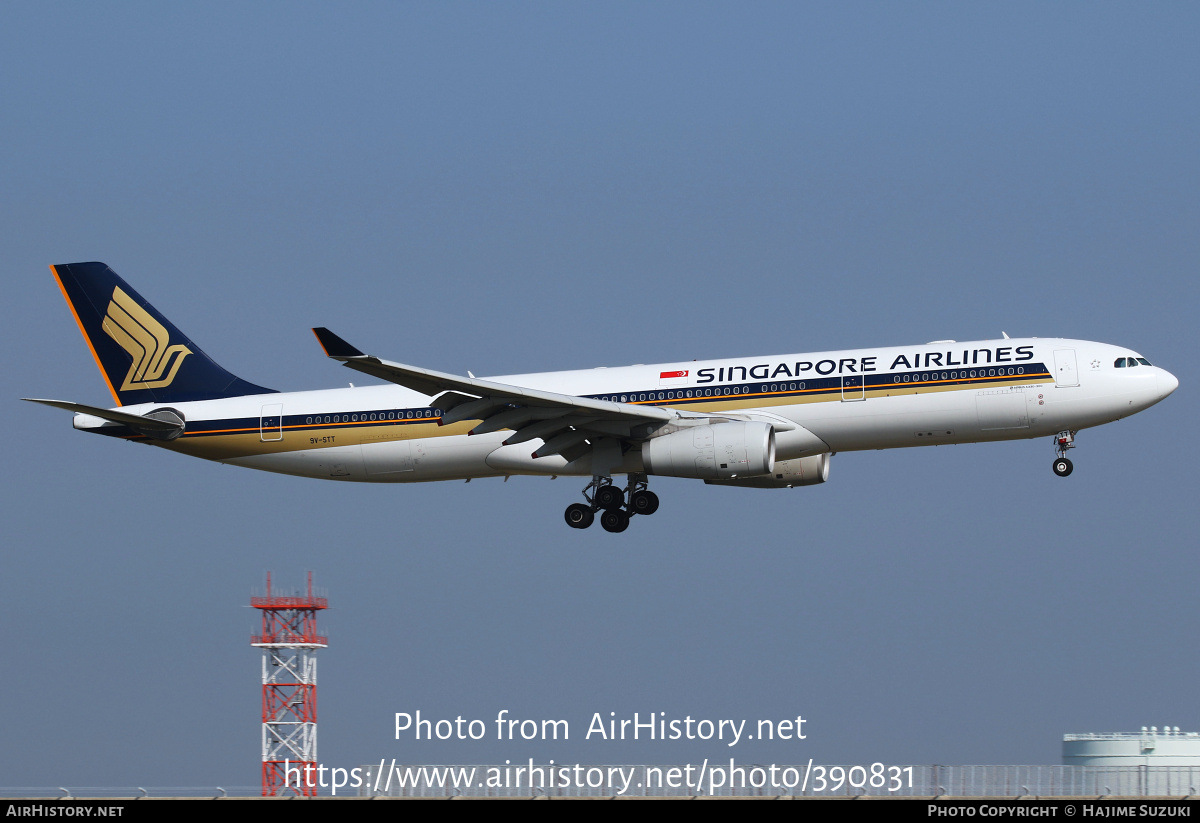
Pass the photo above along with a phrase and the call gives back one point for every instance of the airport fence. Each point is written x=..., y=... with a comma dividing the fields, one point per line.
x=802, y=780
x=715, y=780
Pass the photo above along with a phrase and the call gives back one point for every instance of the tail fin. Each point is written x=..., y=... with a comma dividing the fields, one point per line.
x=143, y=357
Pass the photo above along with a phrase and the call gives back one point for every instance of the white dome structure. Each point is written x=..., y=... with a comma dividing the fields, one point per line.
x=1152, y=746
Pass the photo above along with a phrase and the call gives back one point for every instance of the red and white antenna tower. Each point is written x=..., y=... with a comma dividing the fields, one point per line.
x=289, y=641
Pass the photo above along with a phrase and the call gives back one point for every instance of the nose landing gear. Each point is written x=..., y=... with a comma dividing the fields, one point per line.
x=602, y=496
x=1063, y=441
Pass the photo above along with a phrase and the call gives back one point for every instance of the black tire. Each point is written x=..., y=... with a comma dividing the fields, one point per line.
x=579, y=516
x=614, y=520
x=643, y=502
x=609, y=497
x=1062, y=467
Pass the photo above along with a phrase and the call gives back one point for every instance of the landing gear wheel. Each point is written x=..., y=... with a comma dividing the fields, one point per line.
x=609, y=497
x=614, y=520
x=579, y=516
x=643, y=502
x=1062, y=467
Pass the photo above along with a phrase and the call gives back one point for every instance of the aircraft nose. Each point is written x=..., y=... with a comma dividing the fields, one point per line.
x=1167, y=383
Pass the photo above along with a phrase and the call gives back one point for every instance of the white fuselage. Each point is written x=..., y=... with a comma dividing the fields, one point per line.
x=945, y=392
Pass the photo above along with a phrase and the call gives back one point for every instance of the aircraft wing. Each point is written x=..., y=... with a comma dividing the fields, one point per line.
x=563, y=421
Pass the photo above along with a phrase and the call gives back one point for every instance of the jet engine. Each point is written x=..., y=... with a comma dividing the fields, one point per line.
x=718, y=451
x=803, y=471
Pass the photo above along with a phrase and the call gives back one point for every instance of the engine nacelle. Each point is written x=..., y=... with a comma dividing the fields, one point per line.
x=719, y=451
x=803, y=471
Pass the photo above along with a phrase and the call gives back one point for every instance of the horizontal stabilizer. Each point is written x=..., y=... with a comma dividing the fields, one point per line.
x=160, y=429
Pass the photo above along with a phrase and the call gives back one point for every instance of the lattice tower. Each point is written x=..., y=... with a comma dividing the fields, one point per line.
x=289, y=641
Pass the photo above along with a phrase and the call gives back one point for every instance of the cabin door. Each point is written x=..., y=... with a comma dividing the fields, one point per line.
x=1066, y=371
x=270, y=424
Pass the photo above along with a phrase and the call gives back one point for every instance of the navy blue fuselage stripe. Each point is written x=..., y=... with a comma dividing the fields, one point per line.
x=955, y=377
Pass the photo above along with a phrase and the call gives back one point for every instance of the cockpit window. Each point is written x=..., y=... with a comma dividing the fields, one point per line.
x=1143, y=361
x=1120, y=364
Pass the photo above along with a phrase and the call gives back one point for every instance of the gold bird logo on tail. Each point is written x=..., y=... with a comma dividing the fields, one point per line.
x=146, y=341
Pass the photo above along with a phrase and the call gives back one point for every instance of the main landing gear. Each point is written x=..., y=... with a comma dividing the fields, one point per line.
x=1062, y=442
x=602, y=496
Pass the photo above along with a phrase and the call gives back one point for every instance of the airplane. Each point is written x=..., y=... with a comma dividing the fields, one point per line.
x=758, y=422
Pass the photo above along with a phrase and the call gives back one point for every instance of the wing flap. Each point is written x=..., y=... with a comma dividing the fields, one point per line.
x=545, y=429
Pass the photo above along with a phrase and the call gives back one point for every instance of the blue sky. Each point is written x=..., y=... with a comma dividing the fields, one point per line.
x=530, y=187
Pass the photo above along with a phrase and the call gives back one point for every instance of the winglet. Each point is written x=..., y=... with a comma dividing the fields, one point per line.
x=335, y=346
